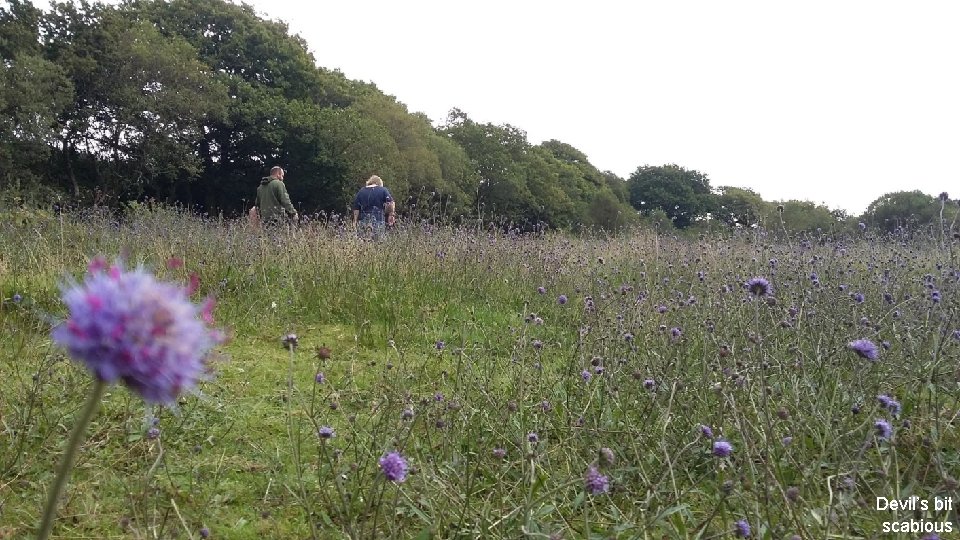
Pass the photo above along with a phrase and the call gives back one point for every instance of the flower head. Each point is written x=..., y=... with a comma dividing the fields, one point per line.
x=759, y=286
x=394, y=467
x=741, y=529
x=706, y=431
x=17, y=298
x=127, y=326
x=883, y=429
x=864, y=348
x=586, y=375
x=595, y=482
x=562, y=299
x=326, y=432
x=889, y=403
x=722, y=448
x=533, y=437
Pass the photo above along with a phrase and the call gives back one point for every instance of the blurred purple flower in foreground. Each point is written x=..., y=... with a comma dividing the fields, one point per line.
x=127, y=326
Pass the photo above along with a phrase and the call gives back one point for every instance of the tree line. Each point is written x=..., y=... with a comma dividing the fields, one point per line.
x=191, y=101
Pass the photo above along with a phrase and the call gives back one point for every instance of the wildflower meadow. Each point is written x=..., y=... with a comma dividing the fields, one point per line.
x=196, y=378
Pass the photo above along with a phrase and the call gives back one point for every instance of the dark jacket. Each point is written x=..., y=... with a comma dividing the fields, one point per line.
x=273, y=202
x=370, y=201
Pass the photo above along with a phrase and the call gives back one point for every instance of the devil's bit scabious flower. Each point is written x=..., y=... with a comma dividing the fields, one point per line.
x=864, y=348
x=127, y=326
x=884, y=431
x=595, y=482
x=326, y=432
x=759, y=286
x=722, y=449
x=562, y=299
x=394, y=467
x=741, y=529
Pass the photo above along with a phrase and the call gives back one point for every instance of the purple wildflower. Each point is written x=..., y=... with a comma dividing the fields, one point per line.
x=595, y=482
x=883, y=429
x=204, y=532
x=759, y=286
x=862, y=225
x=607, y=456
x=864, y=348
x=320, y=377
x=649, y=384
x=541, y=290
x=533, y=437
x=17, y=298
x=935, y=296
x=326, y=432
x=858, y=297
x=290, y=341
x=394, y=467
x=407, y=413
x=562, y=299
x=722, y=448
x=130, y=327
x=676, y=332
x=706, y=431
x=440, y=345
x=586, y=375
x=499, y=453
x=661, y=309
x=741, y=529
x=153, y=433
x=889, y=403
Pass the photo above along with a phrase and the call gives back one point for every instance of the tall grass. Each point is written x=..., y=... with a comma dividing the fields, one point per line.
x=442, y=348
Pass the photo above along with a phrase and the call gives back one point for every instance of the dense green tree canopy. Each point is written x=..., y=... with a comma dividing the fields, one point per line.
x=683, y=195
x=907, y=210
x=192, y=101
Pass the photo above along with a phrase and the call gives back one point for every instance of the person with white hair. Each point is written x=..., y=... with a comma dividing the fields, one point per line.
x=373, y=208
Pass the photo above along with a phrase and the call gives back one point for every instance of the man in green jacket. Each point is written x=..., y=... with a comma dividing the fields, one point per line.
x=273, y=202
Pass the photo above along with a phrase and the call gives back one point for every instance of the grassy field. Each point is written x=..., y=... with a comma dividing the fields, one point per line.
x=503, y=368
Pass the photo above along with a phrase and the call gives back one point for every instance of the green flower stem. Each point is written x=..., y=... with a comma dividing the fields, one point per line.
x=63, y=472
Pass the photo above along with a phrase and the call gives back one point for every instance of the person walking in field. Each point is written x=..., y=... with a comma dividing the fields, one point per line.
x=273, y=204
x=373, y=207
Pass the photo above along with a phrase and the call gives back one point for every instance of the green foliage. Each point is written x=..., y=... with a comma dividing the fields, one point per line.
x=774, y=378
x=683, y=195
x=737, y=207
x=801, y=216
x=907, y=210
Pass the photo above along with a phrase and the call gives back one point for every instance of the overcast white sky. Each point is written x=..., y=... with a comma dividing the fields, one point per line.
x=834, y=101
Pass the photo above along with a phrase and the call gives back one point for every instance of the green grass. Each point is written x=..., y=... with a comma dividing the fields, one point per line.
x=241, y=455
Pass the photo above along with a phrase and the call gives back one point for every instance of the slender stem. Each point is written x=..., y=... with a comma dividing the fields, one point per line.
x=66, y=465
